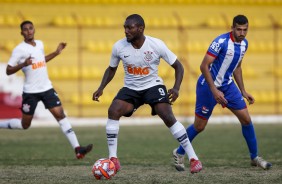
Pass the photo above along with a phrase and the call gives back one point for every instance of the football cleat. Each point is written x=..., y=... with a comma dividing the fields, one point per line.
x=116, y=162
x=260, y=162
x=82, y=151
x=178, y=160
x=195, y=166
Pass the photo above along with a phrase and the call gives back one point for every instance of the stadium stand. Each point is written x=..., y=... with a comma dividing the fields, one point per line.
x=91, y=27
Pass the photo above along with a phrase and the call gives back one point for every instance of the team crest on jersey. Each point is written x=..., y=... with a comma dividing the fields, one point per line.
x=148, y=56
x=26, y=107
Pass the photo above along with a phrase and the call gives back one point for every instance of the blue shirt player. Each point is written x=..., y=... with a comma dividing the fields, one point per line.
x=220, y=65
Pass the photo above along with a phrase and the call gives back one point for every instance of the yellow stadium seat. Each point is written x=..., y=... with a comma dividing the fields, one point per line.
x=12, y=20
x=249, y=72
x=216, y=22
x=54, y=73
x=2, y=21
x=10, y=45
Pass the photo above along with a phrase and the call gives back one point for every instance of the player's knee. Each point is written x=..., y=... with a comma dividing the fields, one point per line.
x=114, y=113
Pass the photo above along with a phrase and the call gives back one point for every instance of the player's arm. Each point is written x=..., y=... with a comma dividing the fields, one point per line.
x=218, y=95
x=179, y=72
x=238, y=76
x=108, y=76
x=58, y=51
x=13, y=69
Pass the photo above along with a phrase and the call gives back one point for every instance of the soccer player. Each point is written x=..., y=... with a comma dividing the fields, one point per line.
x=141, y=55
x=221, y=62
x=29, y=57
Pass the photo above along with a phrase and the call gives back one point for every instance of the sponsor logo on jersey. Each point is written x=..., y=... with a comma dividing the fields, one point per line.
x=205, y=110
x=148, y=56
x=39, y=64
x=26, y=107
x=216, y=45
x=138, y=70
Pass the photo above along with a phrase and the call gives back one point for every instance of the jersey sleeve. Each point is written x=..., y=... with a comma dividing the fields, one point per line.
x=115, y=59
x=17, y=57
x=166, y=54
x=216, y=46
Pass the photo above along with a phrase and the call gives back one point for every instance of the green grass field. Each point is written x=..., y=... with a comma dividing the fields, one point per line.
x=43, y=155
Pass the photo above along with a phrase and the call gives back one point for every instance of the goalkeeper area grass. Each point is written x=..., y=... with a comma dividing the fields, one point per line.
x=44, y=155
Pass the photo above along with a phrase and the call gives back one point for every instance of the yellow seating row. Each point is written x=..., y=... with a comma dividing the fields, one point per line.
x=169, y=21
x=105, y=46
x=86, y=72
x=191, y=46
x=225, y=2
x=73, y=72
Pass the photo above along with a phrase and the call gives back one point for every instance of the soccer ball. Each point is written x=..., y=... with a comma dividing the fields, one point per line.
x=103, y=168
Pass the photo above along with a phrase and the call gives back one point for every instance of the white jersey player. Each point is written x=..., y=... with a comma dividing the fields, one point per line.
x=141, y=56
x=141, y=65
x=29, y=57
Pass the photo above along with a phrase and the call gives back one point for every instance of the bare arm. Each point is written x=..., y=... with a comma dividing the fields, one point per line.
x=13, y=69
x=179, y=72
x=239, y=80
x=218, y=95
x=108, y=76
x=58, y=51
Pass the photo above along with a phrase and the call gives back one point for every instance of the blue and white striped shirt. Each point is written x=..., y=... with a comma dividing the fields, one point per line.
x=228, y=54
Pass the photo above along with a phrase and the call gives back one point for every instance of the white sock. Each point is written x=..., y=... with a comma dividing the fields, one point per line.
x=12, y=124
x=112, y=129
x=179, y=133
x=67, y=130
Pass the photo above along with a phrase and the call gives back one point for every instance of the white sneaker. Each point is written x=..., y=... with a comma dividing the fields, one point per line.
x=178, y=160
x=260, y=162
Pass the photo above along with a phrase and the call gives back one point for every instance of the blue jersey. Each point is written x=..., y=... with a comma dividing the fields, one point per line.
x=228, y=54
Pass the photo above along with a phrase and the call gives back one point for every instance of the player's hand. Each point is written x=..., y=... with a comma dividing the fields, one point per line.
x=219, y=97
x=173, y=94
x=28, y=61
x=96, y=95
x=249, y=98
x=60, y=47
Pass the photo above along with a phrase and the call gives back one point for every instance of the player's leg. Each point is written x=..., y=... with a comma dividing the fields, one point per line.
x=193, y=130
x=14, y=123
x=52, y=102
x=178, y=131
x=238, y=106
x=119, y=107
x=248, y=132
x=205, y=103
x=66, y=128
x=29, y=104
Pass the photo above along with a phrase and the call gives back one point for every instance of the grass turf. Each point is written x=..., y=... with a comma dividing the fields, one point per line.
x=43, y=155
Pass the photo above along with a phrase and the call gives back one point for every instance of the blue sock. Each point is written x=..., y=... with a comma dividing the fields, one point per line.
x=250, y=137
x=192, y=133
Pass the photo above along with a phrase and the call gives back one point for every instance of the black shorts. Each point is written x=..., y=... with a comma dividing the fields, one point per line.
x=30, y=100
x=151, y=96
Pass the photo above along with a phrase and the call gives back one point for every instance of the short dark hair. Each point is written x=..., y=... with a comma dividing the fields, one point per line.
x=24, y=23
x=137, y=18
x=240, y=19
